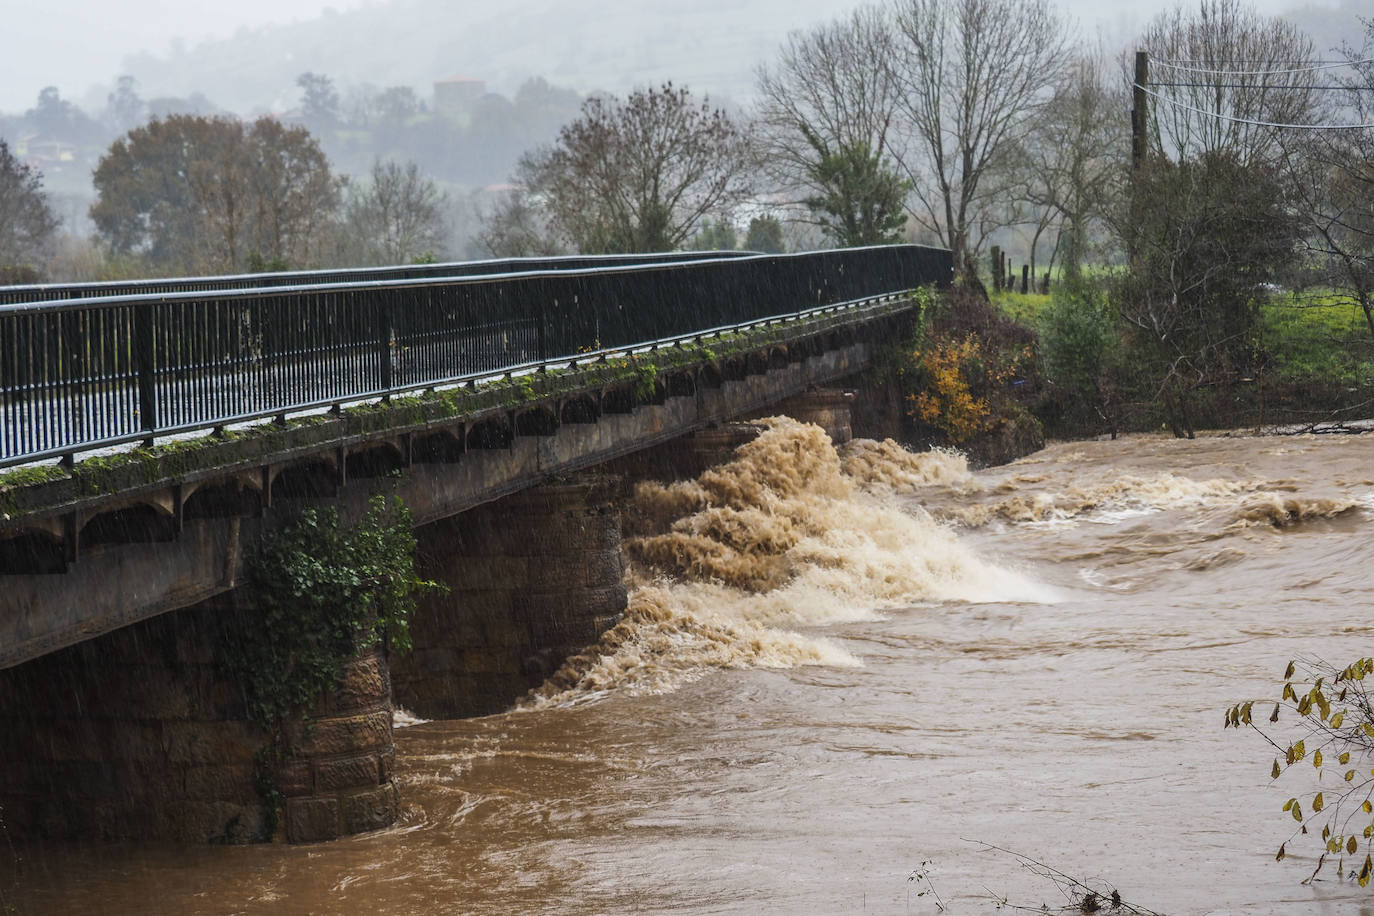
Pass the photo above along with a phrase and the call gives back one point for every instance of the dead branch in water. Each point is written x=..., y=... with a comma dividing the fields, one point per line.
x=1080, y=896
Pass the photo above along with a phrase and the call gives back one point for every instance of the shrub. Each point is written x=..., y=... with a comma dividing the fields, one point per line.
x=1335, y=734
x=963, y=366
x=1080, y=354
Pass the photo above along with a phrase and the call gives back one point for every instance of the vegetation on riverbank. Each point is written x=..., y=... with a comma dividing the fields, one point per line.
x=995, y=377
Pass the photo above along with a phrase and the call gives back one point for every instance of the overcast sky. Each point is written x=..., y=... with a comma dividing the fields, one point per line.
x=80, y=43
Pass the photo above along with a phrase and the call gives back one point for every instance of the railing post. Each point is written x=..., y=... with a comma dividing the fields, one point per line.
x=385, y=332
x=542, y=343
x=145, y=356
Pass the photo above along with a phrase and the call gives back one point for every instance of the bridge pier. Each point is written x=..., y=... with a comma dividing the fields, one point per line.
x=336, y=779
x=828, y=408
x=532, y=578
x=129, y=736
x=143, y=734
x=140, y=734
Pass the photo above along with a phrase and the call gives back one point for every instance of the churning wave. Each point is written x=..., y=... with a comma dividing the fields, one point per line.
x=727, y=570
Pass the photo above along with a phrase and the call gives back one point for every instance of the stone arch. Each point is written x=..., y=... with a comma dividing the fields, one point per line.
x=536, y=421
x=32, y=552
x=145, y=523
x=493, y=433
x=379, y=460
x=618, y=400
x=440, y=447
x=223, y=499
x=312, y=478
x=679, y=384
x=580, y=409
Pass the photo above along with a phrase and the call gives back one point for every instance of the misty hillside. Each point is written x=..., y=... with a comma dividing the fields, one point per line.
x=711, y=46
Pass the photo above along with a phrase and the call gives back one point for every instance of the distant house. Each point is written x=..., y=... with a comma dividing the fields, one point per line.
x=455, y=96
x=44, y=152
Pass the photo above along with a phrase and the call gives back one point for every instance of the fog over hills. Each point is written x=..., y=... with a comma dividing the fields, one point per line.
x=712, y=46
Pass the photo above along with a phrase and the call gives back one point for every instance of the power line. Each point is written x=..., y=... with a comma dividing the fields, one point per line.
x=1250, y=121
x=1264, y=86
x=1330, y=65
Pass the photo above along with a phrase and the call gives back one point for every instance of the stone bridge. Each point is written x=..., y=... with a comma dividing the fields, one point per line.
x=121, y=723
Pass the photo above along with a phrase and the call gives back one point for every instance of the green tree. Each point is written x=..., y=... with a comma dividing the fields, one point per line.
x=828, y=113
x=1209, y=237
x=718, y=235
x=396, y=105
x=1079, y=345
x=319, y=99
x=207, y=194
x=125, y=108
x=58, y=118
x=765, y=235
x=861, y=198
x=27, y=223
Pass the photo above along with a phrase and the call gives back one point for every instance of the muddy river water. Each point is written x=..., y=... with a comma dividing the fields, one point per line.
x=865, y=669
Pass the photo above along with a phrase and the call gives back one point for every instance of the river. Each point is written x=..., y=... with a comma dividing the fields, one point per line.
x=867, y=669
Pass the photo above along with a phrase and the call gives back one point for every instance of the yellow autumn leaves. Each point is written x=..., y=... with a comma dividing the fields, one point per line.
x=1340, y=733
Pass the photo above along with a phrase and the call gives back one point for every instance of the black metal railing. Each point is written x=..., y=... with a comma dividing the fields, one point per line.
x=52, y=292
x=85, y=373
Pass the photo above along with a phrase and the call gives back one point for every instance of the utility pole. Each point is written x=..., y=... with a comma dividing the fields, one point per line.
x=1138, y=101
x=1139, y=134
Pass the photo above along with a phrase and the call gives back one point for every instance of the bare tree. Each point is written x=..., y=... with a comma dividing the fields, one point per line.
x=27, y=223
x=1332, y=174
x=1220, y=74
x=1072, y=163
x=397, y=215
x=295, y=194
x=516, y=228
x=974, y=75
x=639, y=174
x=827, y=125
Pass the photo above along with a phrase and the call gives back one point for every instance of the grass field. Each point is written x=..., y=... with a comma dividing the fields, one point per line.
x=1318, y=337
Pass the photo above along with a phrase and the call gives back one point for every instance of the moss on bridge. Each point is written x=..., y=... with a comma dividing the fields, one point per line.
x=50, y=489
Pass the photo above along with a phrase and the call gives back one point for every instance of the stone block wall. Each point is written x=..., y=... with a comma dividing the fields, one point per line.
x=129, y=736
x=532, y=578
x=337, y=777
x=139, y=735
x=828, y=408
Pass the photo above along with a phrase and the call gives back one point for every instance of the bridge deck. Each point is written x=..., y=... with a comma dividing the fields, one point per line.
x=116, y=541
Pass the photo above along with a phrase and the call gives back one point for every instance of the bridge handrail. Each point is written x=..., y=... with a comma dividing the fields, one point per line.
x=82, y=374
x=52, y=292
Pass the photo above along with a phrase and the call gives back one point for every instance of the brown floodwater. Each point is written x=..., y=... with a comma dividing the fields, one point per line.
x=840, y=670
